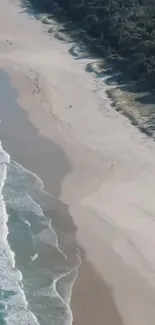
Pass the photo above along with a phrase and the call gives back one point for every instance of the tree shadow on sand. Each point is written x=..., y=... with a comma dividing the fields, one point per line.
x=105, y=64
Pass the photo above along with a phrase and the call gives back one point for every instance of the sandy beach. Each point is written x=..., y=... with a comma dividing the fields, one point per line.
x=91, y=296
x=58, y=123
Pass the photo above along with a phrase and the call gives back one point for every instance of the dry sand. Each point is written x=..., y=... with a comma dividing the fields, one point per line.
x=109, y=181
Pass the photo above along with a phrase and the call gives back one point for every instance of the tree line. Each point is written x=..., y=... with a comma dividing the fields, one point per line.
x=126, y=27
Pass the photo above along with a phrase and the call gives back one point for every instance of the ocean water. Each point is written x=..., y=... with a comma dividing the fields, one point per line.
x=36, y=275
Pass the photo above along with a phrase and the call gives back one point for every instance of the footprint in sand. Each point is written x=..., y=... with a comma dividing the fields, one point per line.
x=7, y=42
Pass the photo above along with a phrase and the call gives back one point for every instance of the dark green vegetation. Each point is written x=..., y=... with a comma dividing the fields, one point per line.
x=125, y=27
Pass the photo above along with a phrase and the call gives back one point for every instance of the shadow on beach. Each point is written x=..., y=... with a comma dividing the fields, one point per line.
x=123, y=90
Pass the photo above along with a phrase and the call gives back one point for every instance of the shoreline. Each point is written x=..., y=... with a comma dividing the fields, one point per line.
x=96, y=295
x=109, y=179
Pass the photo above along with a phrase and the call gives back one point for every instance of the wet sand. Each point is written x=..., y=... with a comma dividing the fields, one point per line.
x=91, y=301
x=92, y=159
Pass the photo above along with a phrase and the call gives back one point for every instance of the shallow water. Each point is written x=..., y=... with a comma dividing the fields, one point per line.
x=36, y=276
x=38, y=251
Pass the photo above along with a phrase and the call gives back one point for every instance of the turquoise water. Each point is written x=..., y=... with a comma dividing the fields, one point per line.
x=36, y=275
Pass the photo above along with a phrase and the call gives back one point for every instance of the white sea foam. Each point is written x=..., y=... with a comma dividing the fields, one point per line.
x=27, y=223
x=24, y=173
x=52, y=292
x=19, y=182
x=25, y=201
x=33, y=257
x=11, y=292
x=48, y=235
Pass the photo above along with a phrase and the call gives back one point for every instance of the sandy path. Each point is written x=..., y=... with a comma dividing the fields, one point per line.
x=111, y=187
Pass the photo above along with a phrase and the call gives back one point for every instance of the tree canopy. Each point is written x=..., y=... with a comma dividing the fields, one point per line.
x=125, y=26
